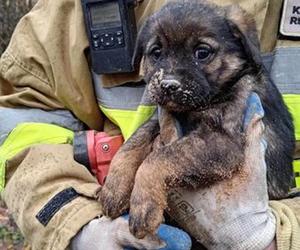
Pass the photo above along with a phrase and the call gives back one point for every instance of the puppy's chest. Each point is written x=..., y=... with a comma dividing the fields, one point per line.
x=203, y=122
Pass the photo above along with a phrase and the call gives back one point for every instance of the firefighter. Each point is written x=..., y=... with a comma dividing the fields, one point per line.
x=47, y=94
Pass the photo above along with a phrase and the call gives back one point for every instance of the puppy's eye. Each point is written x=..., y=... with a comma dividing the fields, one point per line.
x=203, y=52
x=155, y=52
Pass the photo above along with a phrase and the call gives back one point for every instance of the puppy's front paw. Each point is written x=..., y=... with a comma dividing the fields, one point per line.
x=115, y=193
x=145, y=215
x=114, y=202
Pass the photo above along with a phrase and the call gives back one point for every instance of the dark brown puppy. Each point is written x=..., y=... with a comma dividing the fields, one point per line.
x=201, y=62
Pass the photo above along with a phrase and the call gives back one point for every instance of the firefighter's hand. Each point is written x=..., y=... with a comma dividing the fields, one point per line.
x=240, y=217
x=104, y=233
x=234, y=213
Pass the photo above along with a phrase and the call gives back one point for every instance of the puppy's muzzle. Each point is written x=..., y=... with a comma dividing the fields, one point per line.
x=169, y=86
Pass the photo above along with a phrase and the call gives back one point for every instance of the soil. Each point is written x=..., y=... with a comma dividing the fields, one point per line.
x=10, y=236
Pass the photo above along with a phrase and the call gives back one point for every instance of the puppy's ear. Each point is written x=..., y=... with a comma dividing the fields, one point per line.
x=243, y=27
x=140, y=44
x=138, y=52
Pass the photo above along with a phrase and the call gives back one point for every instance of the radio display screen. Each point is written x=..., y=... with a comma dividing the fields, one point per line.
x=105, y=15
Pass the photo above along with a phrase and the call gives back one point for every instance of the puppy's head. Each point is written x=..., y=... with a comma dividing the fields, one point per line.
x=191, y=52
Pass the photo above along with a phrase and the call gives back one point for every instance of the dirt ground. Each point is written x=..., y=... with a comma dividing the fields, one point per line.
x=10, y=236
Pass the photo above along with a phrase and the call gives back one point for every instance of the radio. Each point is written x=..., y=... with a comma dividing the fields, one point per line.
x=111, y=30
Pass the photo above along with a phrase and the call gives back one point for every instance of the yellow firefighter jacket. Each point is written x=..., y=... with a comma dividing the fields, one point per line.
x=46, y=87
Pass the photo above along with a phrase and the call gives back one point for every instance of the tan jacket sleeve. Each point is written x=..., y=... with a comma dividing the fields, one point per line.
x=50, y=195
x=45, y=66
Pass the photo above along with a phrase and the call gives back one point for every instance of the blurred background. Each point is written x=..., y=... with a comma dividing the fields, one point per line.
x=10, y=13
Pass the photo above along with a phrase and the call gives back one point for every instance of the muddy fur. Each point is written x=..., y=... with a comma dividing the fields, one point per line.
x=200, y=62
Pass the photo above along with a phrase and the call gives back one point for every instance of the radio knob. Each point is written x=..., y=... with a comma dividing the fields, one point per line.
x=120, y=40
x=96, y=44
x=95, y=36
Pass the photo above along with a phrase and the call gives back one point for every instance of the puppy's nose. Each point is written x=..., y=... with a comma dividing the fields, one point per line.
x=170, y=85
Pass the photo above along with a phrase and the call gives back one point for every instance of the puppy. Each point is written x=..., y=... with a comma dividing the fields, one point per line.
x=201, y=62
